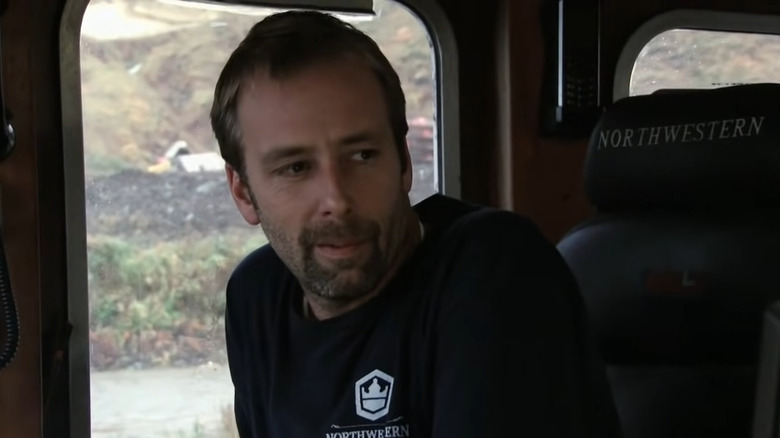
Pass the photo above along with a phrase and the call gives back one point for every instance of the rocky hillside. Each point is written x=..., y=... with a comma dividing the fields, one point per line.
x=140, y=206
x=148, y=208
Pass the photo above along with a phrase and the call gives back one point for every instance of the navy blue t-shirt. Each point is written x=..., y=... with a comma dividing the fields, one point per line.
x=481, y=333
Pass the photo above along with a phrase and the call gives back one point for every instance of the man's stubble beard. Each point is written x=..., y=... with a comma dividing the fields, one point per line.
x=341, y=280
x=344, y=280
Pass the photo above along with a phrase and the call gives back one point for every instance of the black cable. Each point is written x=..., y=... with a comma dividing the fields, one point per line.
x=8, y=313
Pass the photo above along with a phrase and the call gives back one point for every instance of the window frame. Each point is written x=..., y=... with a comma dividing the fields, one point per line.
x=691, y=19
x=447, y=155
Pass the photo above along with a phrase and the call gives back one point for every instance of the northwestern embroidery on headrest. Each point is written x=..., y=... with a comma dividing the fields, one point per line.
x=682, y=133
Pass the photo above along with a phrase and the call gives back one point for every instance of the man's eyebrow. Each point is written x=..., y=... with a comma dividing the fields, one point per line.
x=360, y=137
x=282, y=153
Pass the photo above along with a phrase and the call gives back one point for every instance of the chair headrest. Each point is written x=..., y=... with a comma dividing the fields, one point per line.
x=693, y=150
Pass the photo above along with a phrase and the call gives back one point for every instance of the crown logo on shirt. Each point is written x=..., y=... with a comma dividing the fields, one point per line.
x=373, y=393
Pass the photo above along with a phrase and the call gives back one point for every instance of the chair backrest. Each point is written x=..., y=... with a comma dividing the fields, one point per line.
x=766, y=420
x=683, y=255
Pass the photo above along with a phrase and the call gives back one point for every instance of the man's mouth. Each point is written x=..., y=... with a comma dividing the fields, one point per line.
x=340, y=249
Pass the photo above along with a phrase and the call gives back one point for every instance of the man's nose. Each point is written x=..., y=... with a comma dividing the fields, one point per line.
x=335, y=200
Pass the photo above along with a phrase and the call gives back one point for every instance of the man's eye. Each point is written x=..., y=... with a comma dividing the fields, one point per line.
x=294, y=169
x=365, y=154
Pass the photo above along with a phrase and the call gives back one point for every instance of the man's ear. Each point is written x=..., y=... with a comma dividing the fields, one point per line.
x=242, y=195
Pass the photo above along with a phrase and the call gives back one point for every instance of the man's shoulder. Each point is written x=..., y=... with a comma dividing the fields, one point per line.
x=258, y=263
x=458, y=221
x=257, y=276
x=489, y=258
x=493, y=247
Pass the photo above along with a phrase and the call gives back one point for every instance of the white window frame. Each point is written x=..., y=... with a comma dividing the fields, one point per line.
x=685, y=19
x=447, y=156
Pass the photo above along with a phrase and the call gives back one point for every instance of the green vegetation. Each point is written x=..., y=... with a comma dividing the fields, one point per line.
x=153, y=287
x=161, y=304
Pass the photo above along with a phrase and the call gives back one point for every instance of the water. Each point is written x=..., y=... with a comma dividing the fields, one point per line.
x=162, y=403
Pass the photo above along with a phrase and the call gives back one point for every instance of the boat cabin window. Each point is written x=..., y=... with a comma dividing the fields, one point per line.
x=691, y=58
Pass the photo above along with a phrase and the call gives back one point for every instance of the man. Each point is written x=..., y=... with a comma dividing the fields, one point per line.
x=366, y=317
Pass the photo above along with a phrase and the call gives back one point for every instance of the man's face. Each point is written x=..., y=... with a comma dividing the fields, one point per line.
x=323, y=176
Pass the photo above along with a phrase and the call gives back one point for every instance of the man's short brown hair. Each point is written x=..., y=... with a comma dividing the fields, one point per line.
x=284, y=44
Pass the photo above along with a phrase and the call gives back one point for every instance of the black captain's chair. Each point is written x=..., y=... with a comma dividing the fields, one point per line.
x=683, y=255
